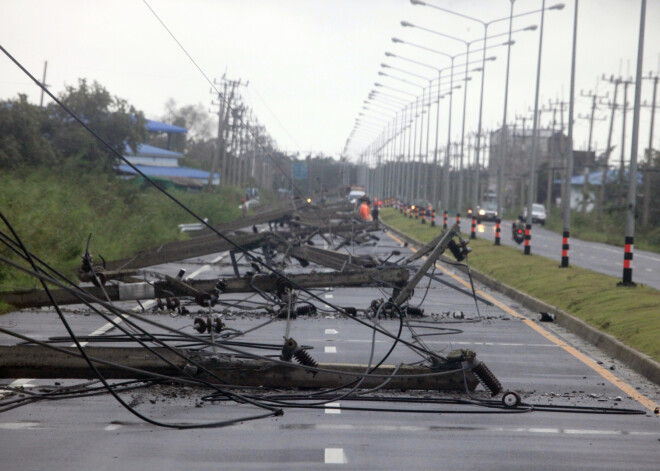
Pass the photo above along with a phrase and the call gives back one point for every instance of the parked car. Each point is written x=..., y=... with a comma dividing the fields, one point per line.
x=538, y=214
x=486, y=211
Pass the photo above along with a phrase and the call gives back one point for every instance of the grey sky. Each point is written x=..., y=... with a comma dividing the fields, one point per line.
x=311, y=63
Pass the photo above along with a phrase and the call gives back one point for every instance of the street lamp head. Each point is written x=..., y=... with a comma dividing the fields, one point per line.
x=531, y=28
x=385, y=66
x=491, y=58
x=378, y=84
x=389, y=54
x=417, y=2
x=382, y=73
x=405, y=23
x=397, y=40
x=559, y=6
x=509, y=43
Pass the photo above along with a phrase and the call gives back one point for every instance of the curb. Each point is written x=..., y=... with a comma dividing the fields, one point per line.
x=638, y=361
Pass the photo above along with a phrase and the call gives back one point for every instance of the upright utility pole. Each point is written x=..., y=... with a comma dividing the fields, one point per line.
x=627, y=279
x=43, y=82
x=220, y=143
x=608, y=149
x=568, y=172
x=532, y=171
x=503, y=136
x=591, y=117
x=623, y=139
x=649, y=160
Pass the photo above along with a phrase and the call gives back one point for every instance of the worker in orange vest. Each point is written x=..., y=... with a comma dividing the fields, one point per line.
x=364, y=211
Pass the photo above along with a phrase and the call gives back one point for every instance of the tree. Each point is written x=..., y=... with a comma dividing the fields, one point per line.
x=22, y=135
x=112, y=118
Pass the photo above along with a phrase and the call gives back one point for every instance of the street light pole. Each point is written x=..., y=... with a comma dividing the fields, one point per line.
x=632, y=177
x=505, y=129
x=532, y=175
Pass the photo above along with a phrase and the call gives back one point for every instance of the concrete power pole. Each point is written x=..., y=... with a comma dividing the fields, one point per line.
x=591, y=117
x=43, y=82
x=649, y=161
x=627, y=278
x=220, y=144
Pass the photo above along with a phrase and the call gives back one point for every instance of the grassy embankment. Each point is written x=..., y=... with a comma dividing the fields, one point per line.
x=629, y=314
x=54, y=214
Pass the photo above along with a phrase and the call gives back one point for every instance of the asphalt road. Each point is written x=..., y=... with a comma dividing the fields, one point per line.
x=545, y=364
x=602, y=258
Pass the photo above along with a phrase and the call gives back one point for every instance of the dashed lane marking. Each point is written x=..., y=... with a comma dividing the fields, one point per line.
x=333, y=408
x=206, y=267
x=330, y=349
x=335, y=456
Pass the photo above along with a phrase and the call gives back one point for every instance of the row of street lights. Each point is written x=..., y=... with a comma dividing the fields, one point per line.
x=379, y=145
x=400, y=128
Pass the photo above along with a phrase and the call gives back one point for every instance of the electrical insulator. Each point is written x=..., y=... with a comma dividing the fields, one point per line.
x=200, y=325
x=304, y=358
x=487, y=378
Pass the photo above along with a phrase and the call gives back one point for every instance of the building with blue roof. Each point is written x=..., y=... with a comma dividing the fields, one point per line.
x=163, y=164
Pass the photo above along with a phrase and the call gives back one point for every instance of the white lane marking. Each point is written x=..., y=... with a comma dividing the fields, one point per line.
x=19, y=425
x=25, y=382
x=112, y=427
x=329, y=296
x=538, y=430
x=201, y=269
x=17, y=383
x=206, y=267
x=331, y=332
x=649, y=269
x=330, y=349
x=333, y=408
x=218, y=258
x=335, y=456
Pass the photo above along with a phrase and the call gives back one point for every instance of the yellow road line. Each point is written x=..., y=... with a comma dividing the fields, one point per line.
x=605, y=373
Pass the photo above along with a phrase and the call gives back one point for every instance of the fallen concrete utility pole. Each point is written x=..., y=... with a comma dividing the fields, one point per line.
x=164, y=289
x=444, y=241
x=330, y=258
x=28, y=361
x=426, y=249
x=183, y=249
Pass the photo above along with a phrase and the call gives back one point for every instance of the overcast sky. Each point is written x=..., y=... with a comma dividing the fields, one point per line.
x=312, y=63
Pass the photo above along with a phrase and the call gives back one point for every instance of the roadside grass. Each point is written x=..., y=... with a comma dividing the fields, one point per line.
x=54, y=214
x=632, y=315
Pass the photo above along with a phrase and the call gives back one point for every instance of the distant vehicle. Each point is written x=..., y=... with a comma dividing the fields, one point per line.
x=517, y=232
x=423, y=205
x=538, y=214
x=486, y=211
x=355, y=195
